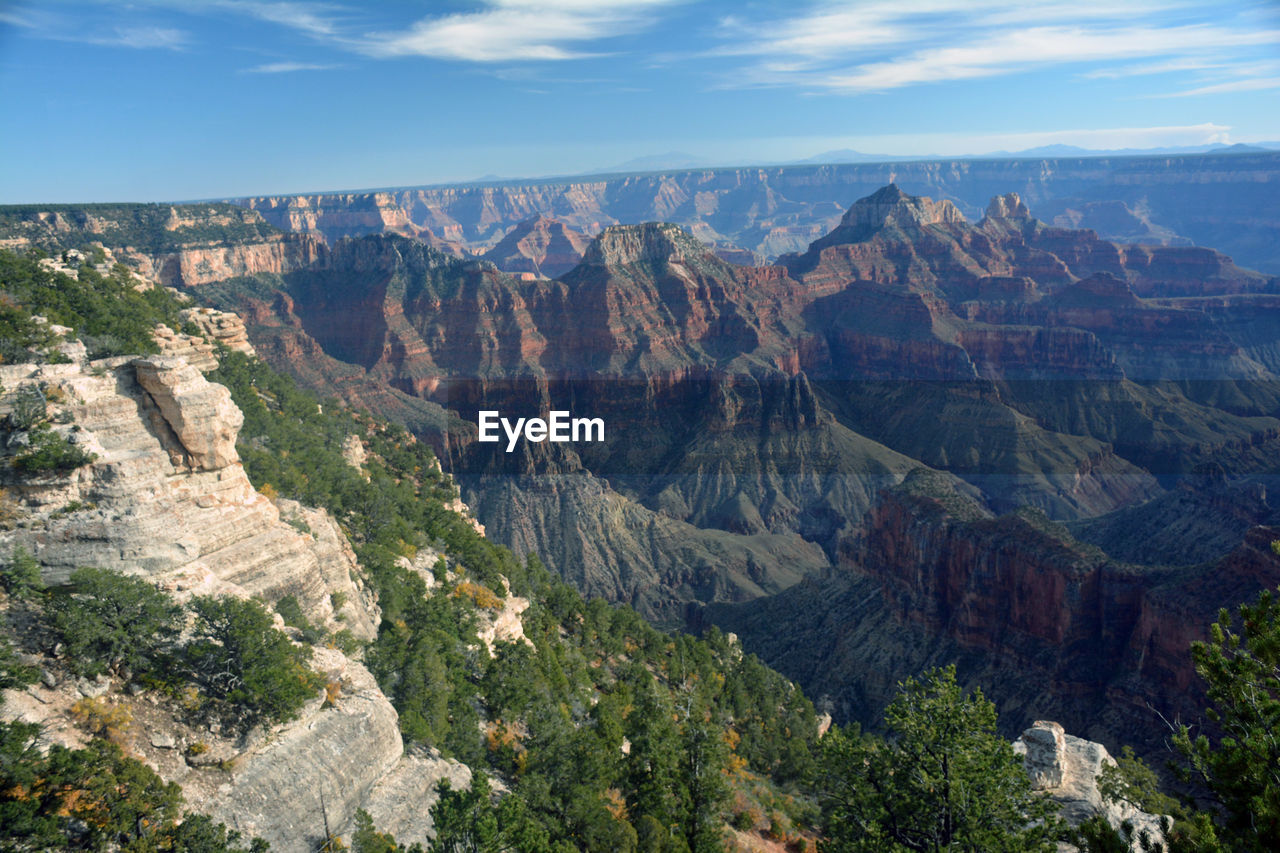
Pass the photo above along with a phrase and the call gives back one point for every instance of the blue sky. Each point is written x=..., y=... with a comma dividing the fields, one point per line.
x=184, y=99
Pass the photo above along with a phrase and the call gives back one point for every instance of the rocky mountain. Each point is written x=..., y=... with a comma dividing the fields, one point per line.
x=1223, y=200
x=545, y=247
x=768, y=429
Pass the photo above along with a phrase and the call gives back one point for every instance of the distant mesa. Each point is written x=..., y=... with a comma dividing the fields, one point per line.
x=622, y=245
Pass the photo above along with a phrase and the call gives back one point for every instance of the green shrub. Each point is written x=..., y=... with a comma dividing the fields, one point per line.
x=112, y=622
x=49, y=451
x=249, y=668
x=20, y=577
x=30, y=408
x=291, y=612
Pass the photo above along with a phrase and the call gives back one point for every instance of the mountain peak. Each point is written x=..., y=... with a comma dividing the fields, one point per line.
x=1008, y=206
x=889, y=205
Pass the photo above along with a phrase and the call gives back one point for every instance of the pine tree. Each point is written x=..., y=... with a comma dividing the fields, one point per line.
x=944, y=779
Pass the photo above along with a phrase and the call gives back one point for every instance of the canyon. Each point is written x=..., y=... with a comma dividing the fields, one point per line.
x=931, y=431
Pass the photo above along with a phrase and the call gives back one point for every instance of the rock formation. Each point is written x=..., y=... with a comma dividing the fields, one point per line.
x=167, y=498
x=1066, y=768
x=220, y=327
x=651, y=326
x=195, y=350
x=166, y=495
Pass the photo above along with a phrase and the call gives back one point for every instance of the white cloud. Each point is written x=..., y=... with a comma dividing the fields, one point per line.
x=288, y=67
x=1035, y=46
x=879, y=46
x=515, y=30
x=14, y=18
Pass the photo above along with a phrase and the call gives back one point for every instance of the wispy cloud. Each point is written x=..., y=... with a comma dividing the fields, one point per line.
x=322, y=20
x=881, y=46
x=288, y=67
x=14, y=18
x=1152, y=68
x=1247, y=84
x=1019, y=50
x=508, y=30
x=53, y=25
x=166, y=38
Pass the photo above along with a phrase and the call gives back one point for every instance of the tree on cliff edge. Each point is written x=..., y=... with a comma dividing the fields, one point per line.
x=1241, y=767
x=943, y=779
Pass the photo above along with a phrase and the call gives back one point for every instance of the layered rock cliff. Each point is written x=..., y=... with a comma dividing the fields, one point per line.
x=1046, y=624
x=176, y=245
x=166, y=495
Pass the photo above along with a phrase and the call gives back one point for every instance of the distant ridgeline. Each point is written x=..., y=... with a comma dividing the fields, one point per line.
x=151, y=228
x=1224, y=200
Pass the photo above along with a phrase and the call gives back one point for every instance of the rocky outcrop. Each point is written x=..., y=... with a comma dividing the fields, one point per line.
x=200, y=413
x=220, y=327
x=1008, y=206
x=1066, y=769
x=287, y=784
x=400, y=802
x=180, y=245
x=313, y=772
x=195, y=264
x=317, y=771
x=195, y=350
x=166, y=495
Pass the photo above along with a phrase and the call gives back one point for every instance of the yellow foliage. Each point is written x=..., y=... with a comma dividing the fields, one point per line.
x=8, y=510
x=499, y=735
x=615, y=803
x=332, y=693
x=101, y=718
x=269, y=491
x=480, y=595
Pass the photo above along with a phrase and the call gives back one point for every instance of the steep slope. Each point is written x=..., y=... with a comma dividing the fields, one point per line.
x=1040, y=620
